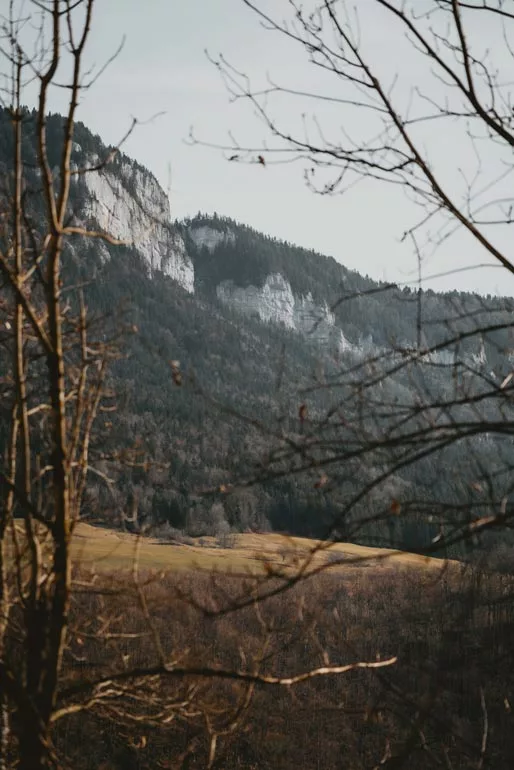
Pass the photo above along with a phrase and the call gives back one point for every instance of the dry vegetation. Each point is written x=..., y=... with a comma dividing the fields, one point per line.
x=186, y=656
x=109, y=549
x=449, y=629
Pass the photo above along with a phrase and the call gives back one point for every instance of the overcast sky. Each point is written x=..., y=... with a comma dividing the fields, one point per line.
x=163, y=68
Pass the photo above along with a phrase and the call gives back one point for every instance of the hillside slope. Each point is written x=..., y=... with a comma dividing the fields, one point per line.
x=259, y=330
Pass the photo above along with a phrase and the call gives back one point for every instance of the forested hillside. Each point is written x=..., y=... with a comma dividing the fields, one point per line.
x=235, y=345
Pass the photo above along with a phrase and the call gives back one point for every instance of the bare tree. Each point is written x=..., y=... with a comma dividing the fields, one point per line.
x=417, y=431
x=384, y=129
x=53, y=386
x=70, y=648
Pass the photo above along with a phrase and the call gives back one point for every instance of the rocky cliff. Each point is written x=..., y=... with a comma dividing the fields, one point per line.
x=127, y=202
x=275, y=302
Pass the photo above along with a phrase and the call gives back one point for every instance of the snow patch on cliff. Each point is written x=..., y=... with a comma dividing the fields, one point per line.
x=133, y=208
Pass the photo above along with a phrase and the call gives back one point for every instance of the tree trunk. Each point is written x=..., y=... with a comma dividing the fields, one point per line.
x=33, y=751
x=4, y=616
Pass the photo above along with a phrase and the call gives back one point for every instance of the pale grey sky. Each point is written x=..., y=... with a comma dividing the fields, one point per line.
x=163, y=69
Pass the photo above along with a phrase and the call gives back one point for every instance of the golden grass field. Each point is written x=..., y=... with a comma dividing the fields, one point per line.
x=109, y=550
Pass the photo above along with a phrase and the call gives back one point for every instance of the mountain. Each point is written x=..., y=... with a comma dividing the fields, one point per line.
x=257, y=330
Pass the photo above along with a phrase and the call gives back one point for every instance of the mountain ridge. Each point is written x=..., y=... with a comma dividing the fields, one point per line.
x=258, y=327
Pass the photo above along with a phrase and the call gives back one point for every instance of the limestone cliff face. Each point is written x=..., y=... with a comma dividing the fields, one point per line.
x=275, y=302
x=128, y=203
x=210, y=237
x=272, y=301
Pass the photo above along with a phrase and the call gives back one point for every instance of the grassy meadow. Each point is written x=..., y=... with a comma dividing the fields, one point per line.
x=251, y=553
